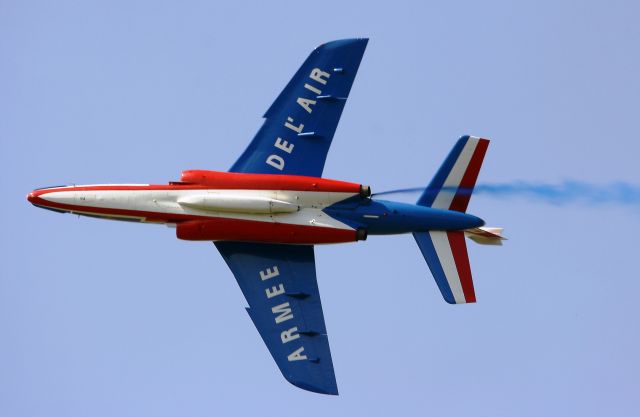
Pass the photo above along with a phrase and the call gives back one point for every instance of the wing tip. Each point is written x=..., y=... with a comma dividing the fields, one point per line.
x=331, y=389
x=343, y=42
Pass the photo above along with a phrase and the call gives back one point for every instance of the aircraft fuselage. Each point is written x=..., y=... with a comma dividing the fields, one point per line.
x=210, y=205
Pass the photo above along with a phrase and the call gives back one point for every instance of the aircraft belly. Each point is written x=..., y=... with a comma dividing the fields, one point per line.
x=163, y=205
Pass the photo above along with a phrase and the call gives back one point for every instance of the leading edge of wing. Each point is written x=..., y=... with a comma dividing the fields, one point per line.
x=280, y=286
x=300, y=124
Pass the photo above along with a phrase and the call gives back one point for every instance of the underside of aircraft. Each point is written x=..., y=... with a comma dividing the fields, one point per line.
x=266, y=214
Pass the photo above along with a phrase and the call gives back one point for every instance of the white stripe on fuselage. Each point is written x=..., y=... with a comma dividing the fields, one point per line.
x=166, y=202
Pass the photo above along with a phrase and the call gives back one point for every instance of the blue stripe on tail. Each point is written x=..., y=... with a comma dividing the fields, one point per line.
x=434, y=187
x=429, y=252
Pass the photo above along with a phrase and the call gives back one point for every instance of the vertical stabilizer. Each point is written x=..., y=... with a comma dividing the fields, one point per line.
x=451, y=187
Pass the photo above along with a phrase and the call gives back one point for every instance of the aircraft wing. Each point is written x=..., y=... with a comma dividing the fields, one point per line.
x=279, y=283
x=299, y=126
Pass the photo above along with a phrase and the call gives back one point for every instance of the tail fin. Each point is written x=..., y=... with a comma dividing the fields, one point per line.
x=450, y=189
x=453, y=184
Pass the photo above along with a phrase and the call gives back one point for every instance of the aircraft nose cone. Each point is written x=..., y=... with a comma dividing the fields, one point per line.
x=31, y=197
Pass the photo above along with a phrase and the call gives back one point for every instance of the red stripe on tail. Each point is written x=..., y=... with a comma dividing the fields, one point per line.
x=461, y=199
x=461, y=258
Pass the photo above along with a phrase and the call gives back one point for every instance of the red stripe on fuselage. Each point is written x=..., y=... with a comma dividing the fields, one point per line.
x=256, y=231
x=241, y=181
x=461, y=258
x=205, y=180
x=461, y=199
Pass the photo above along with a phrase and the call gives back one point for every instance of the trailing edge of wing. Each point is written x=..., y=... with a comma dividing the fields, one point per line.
x=279, y=283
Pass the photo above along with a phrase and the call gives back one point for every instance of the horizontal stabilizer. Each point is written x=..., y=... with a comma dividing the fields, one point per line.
x=446, y=255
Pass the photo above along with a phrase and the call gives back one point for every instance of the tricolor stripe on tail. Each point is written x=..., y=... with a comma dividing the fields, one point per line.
x=450, y=189
x=446, y=255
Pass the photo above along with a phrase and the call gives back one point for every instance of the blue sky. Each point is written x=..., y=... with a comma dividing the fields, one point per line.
x=116, y=319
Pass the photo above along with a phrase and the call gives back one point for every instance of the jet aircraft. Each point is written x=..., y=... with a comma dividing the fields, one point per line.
x=265, y=214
